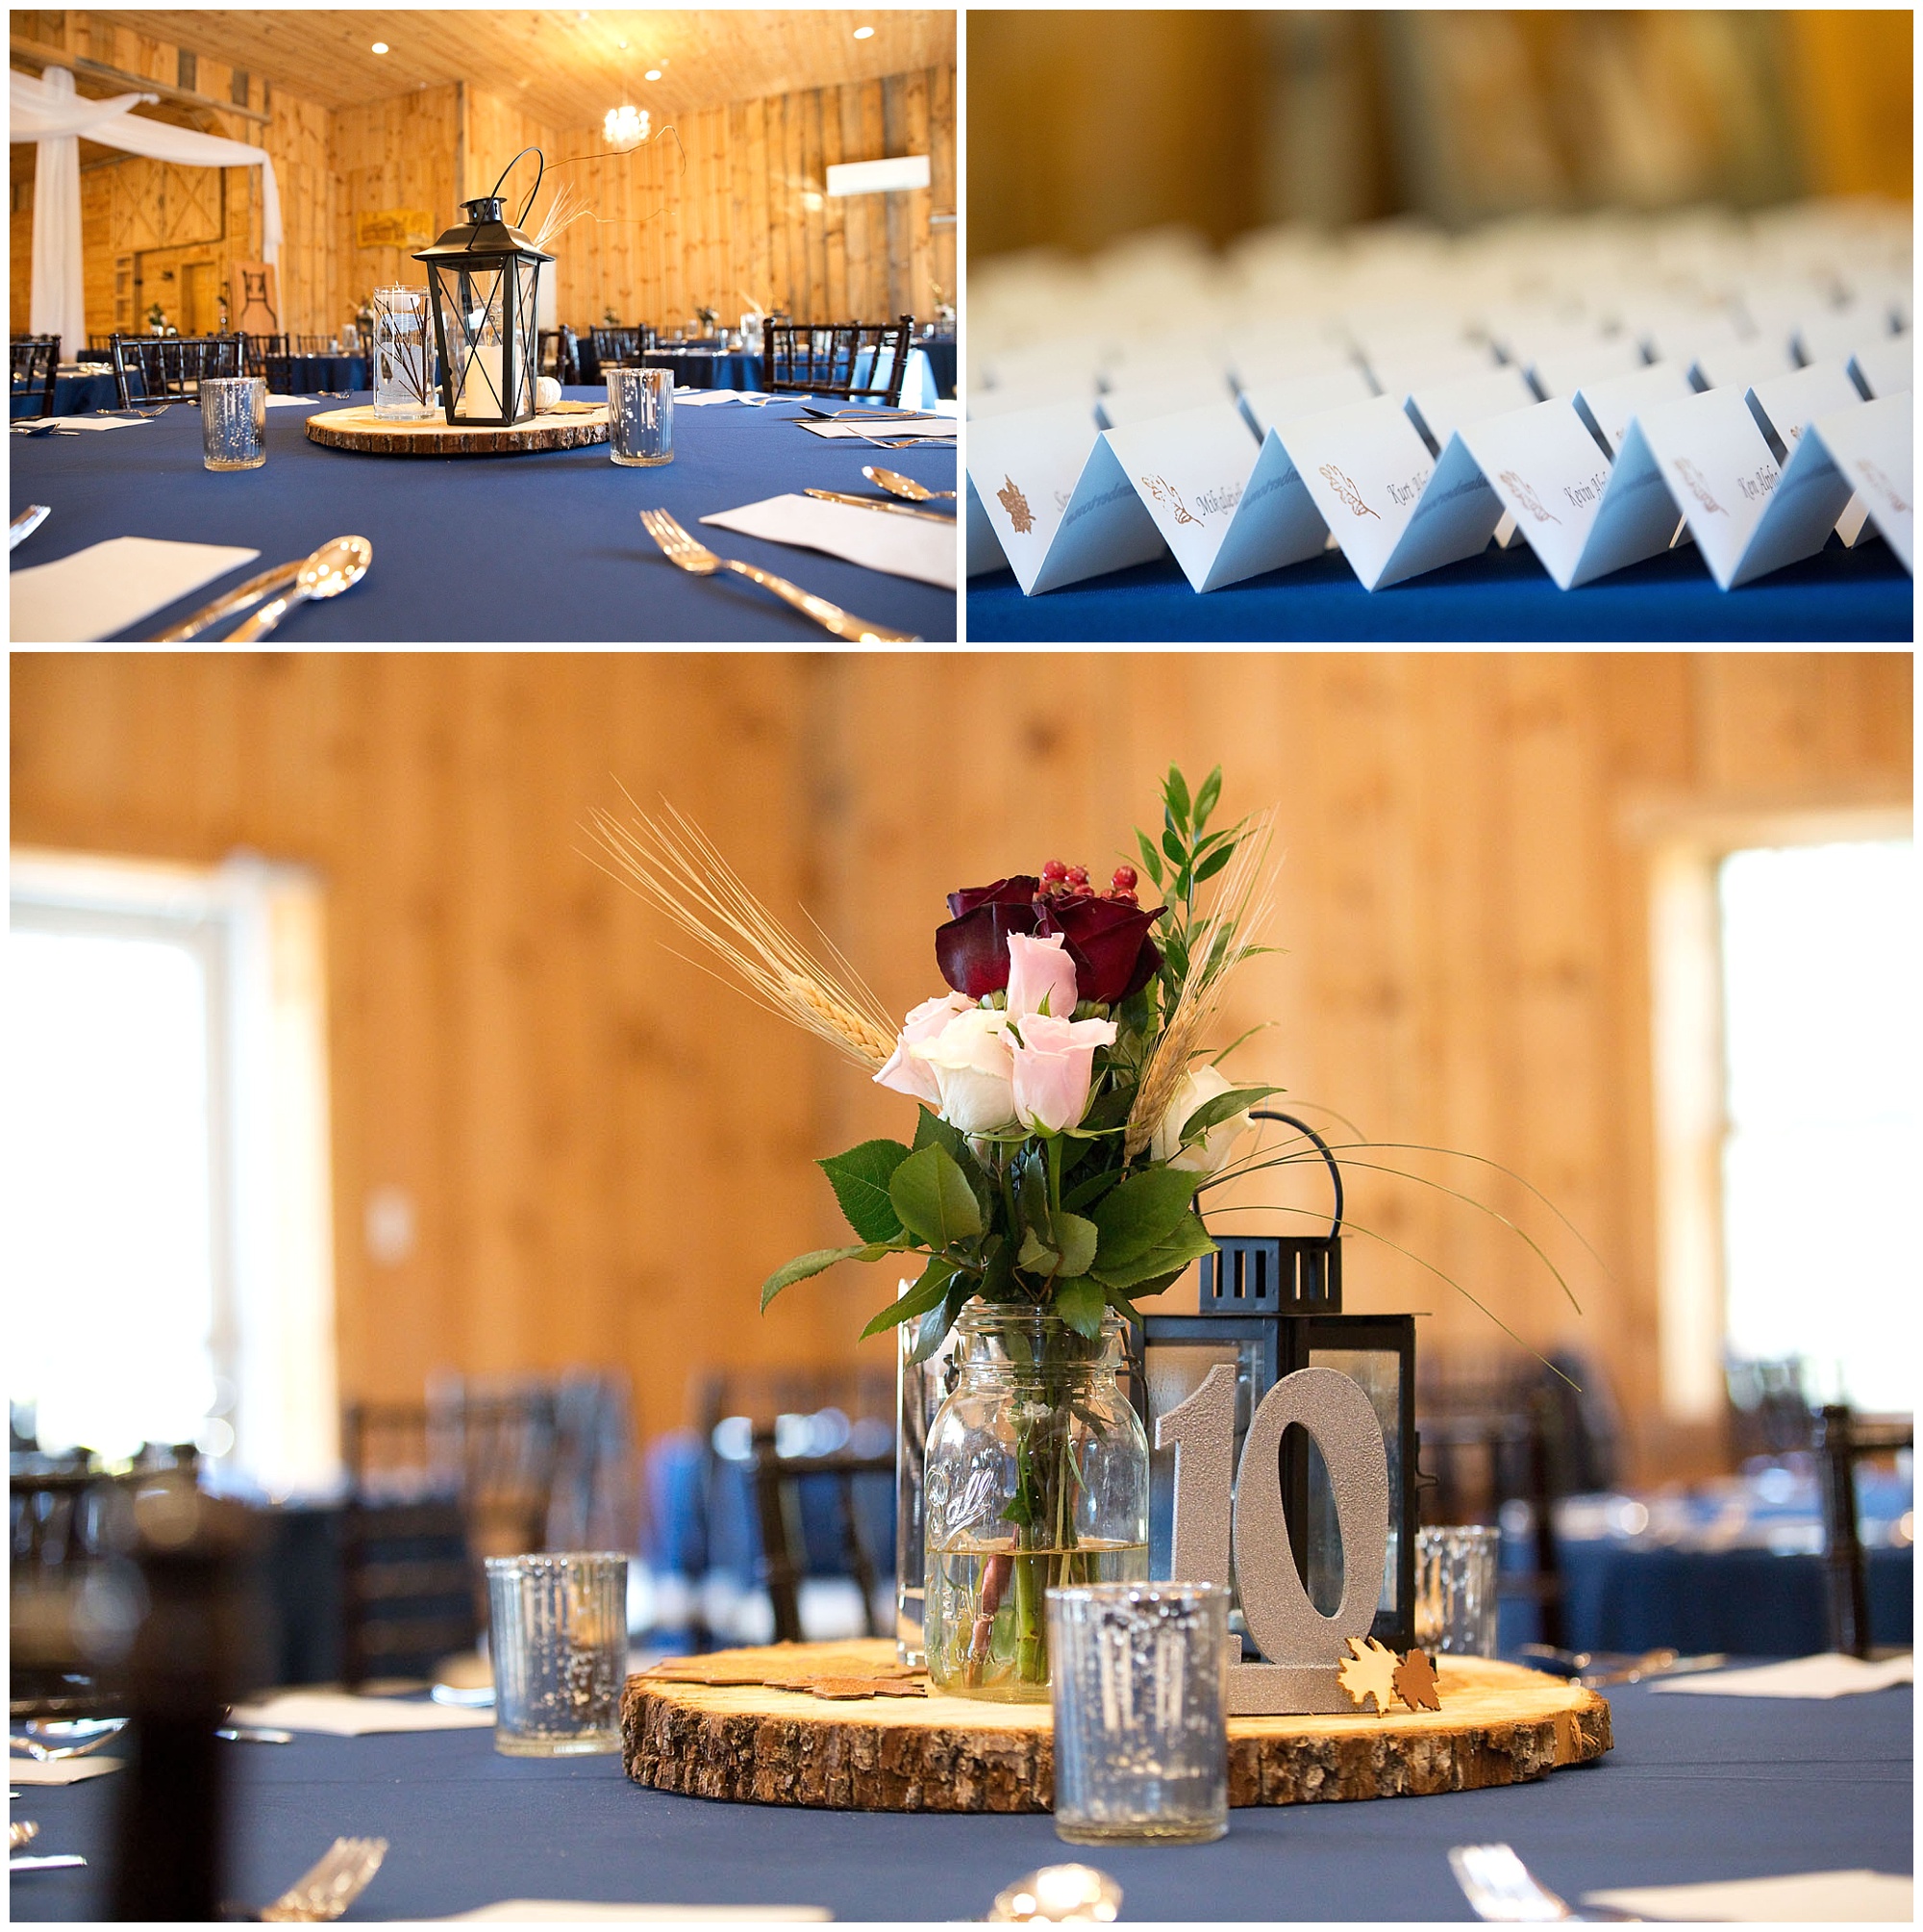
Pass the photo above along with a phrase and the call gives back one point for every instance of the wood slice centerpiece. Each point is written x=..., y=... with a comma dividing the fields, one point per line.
x=568, y=425
x=843, y=1727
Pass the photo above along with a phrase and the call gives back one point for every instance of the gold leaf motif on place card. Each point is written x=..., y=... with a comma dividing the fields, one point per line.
x=1012, y=500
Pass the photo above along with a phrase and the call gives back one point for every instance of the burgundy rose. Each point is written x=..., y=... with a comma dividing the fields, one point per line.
x=973, y=949
x=1108, y=940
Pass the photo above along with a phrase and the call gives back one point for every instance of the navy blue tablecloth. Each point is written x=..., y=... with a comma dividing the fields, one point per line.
x=483, y=549
x=941, y=360
x=1696, y=1789
x=307, y=375
x=1504, y=596
x=73, y=394
x=708, y=368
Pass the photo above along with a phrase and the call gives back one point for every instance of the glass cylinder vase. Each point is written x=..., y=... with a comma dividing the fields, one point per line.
x=1036, y=1478
x=404, y=358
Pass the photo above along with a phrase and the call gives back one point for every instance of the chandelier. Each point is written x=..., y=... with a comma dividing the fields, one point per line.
x=625, y=127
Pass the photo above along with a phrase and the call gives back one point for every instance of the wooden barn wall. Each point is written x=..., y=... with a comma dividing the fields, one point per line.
x=392, y=154
x=749, y=221
x=608, y=1150
x=120, y=198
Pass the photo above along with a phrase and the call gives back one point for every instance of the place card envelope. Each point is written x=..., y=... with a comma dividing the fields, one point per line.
x=1059, y=501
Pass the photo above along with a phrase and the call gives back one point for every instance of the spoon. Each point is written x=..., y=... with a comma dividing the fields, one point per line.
x=48, y=1742
x=898, y=485
x=332, y=568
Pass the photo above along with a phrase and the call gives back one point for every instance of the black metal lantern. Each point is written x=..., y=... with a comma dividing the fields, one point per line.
x=483, y=277
x=1271, y=1304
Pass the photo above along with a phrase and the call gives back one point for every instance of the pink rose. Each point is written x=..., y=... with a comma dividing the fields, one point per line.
x=906, y=1072
x=1054, y=1063
x=1039, y=970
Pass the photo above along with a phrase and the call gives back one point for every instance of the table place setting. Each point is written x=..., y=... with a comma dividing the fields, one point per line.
x=903, y=541
x=95, y=592
x=1829, y=1674
x=343, y=1714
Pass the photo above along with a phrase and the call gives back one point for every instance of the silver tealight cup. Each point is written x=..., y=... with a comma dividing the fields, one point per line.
x=234, y=421
x=640, y=416
x=558, y=1635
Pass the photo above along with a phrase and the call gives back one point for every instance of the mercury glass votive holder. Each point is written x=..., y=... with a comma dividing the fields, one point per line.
x=1455, y=1569
x=1139, y=1678
x=559, y=1638
x=234, y=421
x=640, y=416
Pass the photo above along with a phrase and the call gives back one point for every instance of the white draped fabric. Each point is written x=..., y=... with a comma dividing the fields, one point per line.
x=48, y=112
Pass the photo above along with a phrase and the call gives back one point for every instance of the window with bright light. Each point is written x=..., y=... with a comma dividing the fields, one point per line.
x=1821, y=1139
x=166, y=1147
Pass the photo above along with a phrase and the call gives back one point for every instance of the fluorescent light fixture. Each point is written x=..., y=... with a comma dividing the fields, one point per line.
x=380, y=46
x=864, y=33
x=895, y=175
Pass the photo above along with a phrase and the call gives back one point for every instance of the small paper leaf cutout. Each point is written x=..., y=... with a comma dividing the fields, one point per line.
x=1416, y=1682
x=1369, y=1671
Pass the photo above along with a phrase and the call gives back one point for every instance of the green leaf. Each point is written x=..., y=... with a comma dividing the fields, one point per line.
x=931, y=1130
x=1144, y=1210
x=1151, y=858
x=861, y=1179
x=1223, y=1107
x=932, y=1196
x=1173, y=846
x=1036, y=1257
x=1090, y=1190
x=1175, y=795
x=930, y=1292
x=1080, y=1304
x=1075, y=1241
x=1205, y=799
x=816, y=1261
x=1214, y=864
x=937, y=1322
x=1186, y=1242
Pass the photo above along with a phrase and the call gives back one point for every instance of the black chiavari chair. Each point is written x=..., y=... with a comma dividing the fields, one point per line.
x=785, y=1551
x=858, y=361
x=615, y=347
x=1843, y=1439
x=34, y=362
x=559, y=355
x=168, y=368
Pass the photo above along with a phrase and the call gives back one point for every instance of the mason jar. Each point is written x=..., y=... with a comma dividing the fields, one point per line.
x=1035, y=1477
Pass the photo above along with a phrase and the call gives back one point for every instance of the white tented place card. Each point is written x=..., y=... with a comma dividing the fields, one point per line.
x=1149, y=395
x=1563, y=370
x=1785, y=406
x=1011, y=399
x=1608, y=406
x=1287, y=356
x=984, y=548
x=1060, y=505
x=1873, y=446
x=1440, y=409
x=1737, y=366
x=1399, y=369
x=1583, y=516
x=1227, y=508
x=1721, y=474
x=1268, y=403
x=1885, y=368
x=1395, y=510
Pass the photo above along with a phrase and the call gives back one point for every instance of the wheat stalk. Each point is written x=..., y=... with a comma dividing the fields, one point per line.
x=671, y=863
x=563, y=213
x=1215, y=948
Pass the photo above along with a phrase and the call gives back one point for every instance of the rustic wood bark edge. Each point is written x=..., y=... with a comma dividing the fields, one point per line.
x=770, y=1748
x=352, y=429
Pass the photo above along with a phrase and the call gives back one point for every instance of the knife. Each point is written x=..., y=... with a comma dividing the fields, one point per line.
x=26, y=523
x=871, y=503
x=59, y=1860
x=249, y=592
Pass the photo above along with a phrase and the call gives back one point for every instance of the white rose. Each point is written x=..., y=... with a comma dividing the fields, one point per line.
x=906, y=1073
x=975, y=1069
x=1210, y=1154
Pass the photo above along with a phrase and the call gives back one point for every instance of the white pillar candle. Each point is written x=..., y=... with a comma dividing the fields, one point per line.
x=481, y=392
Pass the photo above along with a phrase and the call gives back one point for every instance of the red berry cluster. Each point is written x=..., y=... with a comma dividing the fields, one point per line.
x=1063, y=881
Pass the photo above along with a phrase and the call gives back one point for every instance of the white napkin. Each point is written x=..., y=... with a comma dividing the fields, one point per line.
x=295, y=402
x=61, y=1770
x=886, y=426
x=1829, y=1675
x=904, y=547
x=341, y=1716
x=105, y=588
x=694, y=399
x=89, y=421
x=535, y=1911
x=1804, y=1898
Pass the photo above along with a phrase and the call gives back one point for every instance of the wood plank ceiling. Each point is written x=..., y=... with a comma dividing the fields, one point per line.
x=565, y=67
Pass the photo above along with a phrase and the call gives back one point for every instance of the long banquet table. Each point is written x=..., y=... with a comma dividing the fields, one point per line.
x=1696, y=1789
x=531, y=548
x=1504, y=596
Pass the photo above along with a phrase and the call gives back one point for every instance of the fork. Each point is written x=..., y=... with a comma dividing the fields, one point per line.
x=341, y=1876
x=1503, y=1891
x=686, y=553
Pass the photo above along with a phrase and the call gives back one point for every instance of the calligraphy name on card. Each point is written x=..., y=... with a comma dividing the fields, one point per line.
x=1785, y=406
x=1242, y=1529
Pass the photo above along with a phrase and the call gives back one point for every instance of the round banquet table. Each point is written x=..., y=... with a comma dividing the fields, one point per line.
x=1504, y=596
x=1696, y=1789
x=307, y=375
x=75, y=392
x=708, y=368
x=541, y=547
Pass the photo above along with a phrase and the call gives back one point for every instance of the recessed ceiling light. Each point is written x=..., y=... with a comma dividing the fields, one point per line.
x=864, y=33
x=652, y=74
x=380, y=46
x=622, y=44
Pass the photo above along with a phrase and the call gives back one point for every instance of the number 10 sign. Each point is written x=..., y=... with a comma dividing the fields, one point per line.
x=1303, y=1647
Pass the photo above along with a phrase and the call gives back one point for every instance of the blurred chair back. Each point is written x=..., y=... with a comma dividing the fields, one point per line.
x=1771, y=1411
x=855, y=360
x=612, y=347
x=785, y=1548
x=1842, y=1440
x=34, y=362
x=168, y=368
